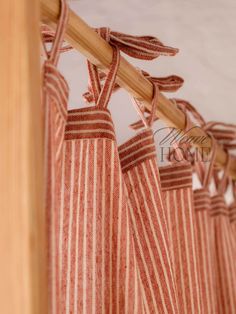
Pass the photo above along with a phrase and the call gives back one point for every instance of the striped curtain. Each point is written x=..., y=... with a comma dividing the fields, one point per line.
x=176, y=183
x=205, y=234
x=125, y=236
x=224, y=246
x=99, y=272
x=99, y=268
x=149, y=225
x=205, y=244
x=224, y=256
x=55, y=93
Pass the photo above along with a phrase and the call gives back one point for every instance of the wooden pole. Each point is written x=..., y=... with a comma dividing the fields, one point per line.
x=99, y=52
x=23, y=284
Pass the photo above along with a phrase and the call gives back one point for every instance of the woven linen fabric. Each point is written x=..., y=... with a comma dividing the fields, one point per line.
x=224, y=256
x=55, y=97
x=99, y=271
x=205, y=245
x=56, y=92
x=149, y=226
x=176, y=183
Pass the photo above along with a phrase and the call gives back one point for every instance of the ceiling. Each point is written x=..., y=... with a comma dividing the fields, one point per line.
x=203, y=30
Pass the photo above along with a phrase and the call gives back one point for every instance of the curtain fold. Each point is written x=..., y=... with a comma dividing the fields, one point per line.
x=147, y=216
x=99, y=269
x=55, y=93
x=176, y=183
x=56, y=96
x=205, y=244
x=224, y=256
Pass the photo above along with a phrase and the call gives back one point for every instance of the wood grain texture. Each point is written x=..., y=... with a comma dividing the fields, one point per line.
x=23, y=285
x=85, y=40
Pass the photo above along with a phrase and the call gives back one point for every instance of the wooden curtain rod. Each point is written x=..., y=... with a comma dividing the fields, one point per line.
x=84, y=39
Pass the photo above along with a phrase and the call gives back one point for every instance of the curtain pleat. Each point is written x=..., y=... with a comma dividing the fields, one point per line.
x=55, y=93
x=224, y=256
x=149, y=226
x=176, y=182
x=98, y=267
x=205, y=244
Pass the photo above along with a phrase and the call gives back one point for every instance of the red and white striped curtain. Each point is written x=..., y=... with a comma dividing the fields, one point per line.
x=176, y=182
x=224, y=247
x=124, y=235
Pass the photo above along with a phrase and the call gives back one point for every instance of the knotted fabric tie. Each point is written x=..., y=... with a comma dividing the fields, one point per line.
x=148, y=121
x=189, y=109
x=58, y=38
x=165, y=84
x=224, y=133
x=102, y=94
x=139, y=47
x=199, y=165
x=48, y=36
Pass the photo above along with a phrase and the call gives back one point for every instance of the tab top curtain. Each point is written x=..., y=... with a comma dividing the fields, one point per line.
x=125, y=235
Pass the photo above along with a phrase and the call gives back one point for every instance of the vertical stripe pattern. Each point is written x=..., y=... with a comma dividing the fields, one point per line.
x=224, y=256
x=176, y=182
x=149, y=227
x=122, y=236
x=55, y=97
x=55, y=93
x=99, y=272
x=205, y=245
